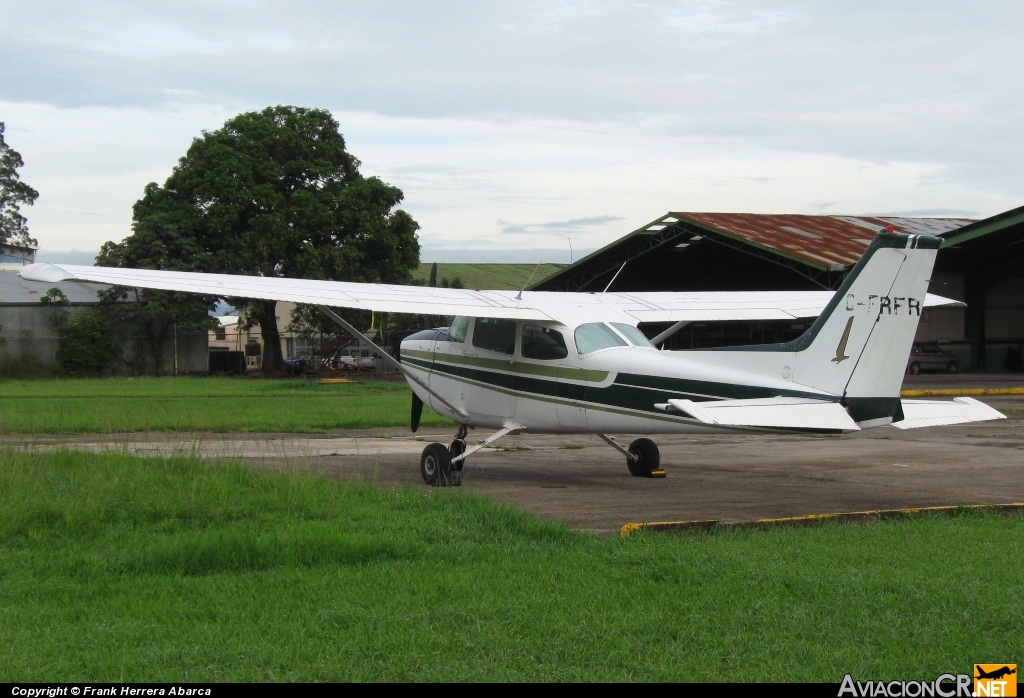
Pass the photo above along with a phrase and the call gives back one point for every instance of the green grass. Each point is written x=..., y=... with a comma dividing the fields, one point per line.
x=123, y=569
x=201, y=404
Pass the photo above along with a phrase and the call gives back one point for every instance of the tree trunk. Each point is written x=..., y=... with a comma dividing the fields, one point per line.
x=156, y=335
x=273, y=359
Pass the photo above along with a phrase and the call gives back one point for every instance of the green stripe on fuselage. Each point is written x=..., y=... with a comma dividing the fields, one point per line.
x=513, y=366
x=634, y=392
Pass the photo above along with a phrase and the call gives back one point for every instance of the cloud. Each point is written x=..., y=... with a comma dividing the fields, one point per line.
x=533, y=111
x=572, y=225
x=932, y=212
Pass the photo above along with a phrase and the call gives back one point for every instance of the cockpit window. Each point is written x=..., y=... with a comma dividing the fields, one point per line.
x=495, y=335
x=542, y=343
x=457, y=332
x=596, y=335
x=635, y=336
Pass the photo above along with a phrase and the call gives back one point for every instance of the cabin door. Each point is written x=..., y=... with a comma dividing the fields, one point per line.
x=488, y=369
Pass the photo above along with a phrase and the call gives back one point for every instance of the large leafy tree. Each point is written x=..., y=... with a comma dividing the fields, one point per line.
x=13, y=194
x=158, y=241
x=276, y=193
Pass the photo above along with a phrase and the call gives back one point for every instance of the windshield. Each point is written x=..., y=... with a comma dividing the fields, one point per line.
x=596, y=335
x=634, y=335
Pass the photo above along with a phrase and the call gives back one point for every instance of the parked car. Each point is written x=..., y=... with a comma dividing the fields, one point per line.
x=929, y=357
x=296, y=366
x=352, y=357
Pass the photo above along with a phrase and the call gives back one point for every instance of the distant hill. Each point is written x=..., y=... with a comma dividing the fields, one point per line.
x=498, y=277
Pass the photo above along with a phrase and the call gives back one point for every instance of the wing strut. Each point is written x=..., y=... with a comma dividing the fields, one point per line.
x=389, y=359
x=669, y=332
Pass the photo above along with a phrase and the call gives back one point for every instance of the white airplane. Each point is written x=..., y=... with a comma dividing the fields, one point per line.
x=575, y=363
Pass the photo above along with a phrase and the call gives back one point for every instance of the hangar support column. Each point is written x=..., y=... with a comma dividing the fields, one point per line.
x=975, y=290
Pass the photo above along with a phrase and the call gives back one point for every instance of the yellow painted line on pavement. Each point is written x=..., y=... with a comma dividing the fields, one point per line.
x=805, y=519
x=957, y=392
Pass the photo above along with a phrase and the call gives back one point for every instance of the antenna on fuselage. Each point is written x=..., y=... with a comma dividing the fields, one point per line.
x=614, y=277
x=519, y=296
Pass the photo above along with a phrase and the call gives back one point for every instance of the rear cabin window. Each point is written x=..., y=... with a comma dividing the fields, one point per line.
x=596, y=335
x=495, y=335
x=542, y=343
x=457, y=332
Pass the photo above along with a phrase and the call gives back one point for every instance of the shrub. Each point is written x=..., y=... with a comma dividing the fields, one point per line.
x=84, y=348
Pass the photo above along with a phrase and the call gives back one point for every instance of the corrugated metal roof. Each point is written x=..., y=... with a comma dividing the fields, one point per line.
x=15, y=290
x=818, y=240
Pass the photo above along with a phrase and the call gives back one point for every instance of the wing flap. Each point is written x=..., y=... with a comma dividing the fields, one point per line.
x=768, y=413
x=935, y=413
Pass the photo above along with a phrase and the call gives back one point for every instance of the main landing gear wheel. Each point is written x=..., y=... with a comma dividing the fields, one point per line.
x=457, y=448
x=647, y=459
x=436, y=465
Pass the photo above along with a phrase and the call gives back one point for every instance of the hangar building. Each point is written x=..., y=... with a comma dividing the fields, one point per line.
x=981, y=262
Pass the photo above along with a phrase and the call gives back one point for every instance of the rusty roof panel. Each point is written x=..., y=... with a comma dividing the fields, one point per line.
x=817, y=240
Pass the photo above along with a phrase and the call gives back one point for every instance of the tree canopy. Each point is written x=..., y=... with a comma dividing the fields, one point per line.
x=272, y=193
x=13, y=194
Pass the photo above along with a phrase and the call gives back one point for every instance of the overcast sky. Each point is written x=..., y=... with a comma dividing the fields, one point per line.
x=515, y=126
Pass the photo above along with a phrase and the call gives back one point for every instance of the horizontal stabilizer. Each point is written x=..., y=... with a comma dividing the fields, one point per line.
x=770, y=413
x=936, y=413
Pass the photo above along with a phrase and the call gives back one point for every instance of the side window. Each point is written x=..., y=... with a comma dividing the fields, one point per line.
x=542, y=343
x=457, y=332
x=596, y=335
x=495, y=335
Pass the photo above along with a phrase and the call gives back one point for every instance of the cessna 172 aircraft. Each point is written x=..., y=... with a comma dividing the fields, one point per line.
x=576, y=363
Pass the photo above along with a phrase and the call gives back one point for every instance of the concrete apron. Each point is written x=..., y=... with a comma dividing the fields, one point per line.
x=584, y=483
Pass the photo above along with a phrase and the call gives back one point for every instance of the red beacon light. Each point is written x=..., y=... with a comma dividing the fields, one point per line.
x=888, y=229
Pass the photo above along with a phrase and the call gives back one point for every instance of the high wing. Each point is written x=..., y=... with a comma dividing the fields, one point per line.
x=422, y=300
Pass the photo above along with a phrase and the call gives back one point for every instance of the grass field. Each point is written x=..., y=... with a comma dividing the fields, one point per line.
x=52, y=406
x=121, y=569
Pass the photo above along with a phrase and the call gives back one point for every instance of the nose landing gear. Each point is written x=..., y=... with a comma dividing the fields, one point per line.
x=642, y=457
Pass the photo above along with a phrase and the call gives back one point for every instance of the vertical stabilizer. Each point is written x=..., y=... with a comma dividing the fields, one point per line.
x=858, y=346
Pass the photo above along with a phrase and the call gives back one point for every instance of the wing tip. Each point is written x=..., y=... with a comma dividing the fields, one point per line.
x=49, y=273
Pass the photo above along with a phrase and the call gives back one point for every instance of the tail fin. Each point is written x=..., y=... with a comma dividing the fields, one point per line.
x=858, y=346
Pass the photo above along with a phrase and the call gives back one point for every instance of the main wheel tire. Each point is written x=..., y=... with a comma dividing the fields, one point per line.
x=435, y=465
x=952, y=368
x=648, y=458
x=457, y=448
x=915, y=368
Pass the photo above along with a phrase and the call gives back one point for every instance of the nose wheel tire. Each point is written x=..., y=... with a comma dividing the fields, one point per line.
x=436, y=466
x=915, y=368
x=648, y=458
